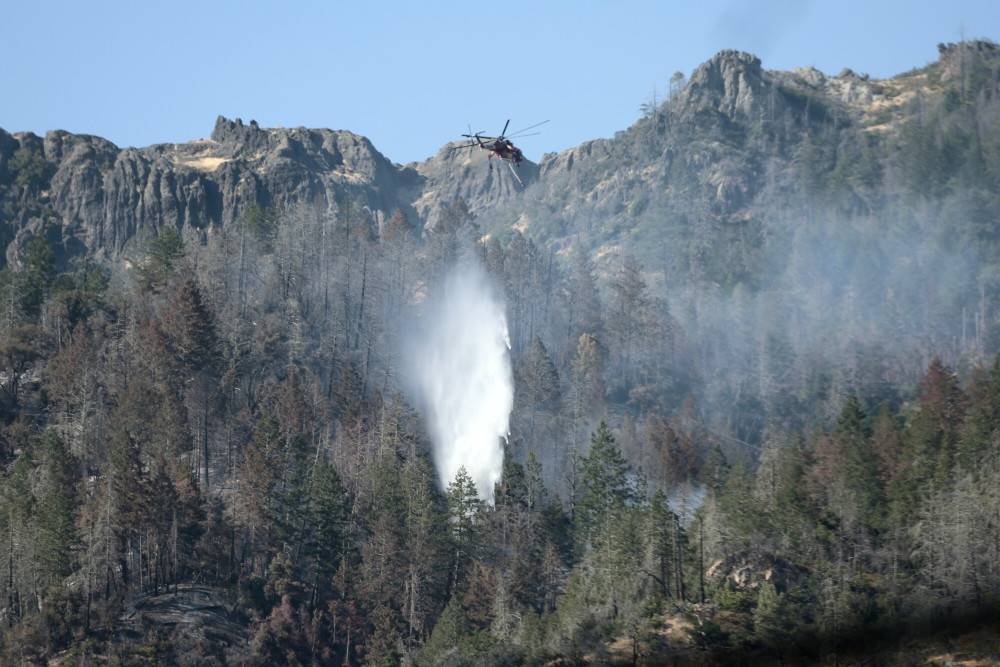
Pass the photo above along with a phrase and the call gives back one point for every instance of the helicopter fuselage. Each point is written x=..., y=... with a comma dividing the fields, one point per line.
x=503, y=150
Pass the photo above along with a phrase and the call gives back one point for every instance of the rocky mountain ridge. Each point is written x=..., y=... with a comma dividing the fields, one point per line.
x=730, y=147
x=91, y=197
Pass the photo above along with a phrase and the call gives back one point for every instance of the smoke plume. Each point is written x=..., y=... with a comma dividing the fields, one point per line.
x=457, y=364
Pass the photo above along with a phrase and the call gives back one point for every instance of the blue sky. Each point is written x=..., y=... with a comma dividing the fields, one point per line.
x=412, y=75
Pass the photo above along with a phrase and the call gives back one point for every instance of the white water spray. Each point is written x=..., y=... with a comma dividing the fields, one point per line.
x=457, y=364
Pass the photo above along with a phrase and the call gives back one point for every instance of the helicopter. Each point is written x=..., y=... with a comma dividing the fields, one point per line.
x=500, y=146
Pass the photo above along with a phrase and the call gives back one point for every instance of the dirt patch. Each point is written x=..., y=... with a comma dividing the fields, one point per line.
x=202, y=163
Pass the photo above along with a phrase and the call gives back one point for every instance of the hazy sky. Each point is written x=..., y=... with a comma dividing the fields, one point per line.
x=412, y=75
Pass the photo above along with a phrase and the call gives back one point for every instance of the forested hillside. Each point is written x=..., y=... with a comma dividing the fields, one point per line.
x=756, y=412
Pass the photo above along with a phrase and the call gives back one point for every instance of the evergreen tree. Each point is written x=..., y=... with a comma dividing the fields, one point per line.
x=37, y=274
x=448, y=636
x=588, y=377
x=607, y=487
x=328, y=517
x=659, y=556
x=538, y=380
x=930, y=439
x=56, y=508
x=259, y=474
x=978, y=434
x=164, y=252
x=189, y=327
x=583, y=297
x=463, y=515
x=428, y=553
x=772, y=623
x=887, y=441
x=383, y=553
x=860, y=466
x=629, y=307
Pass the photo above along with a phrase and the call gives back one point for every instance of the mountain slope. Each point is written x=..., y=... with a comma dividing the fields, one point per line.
x=733, y=143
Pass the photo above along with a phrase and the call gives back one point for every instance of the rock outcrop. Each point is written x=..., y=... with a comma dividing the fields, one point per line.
x=92, y=197
x=750, y=570
x=731, y=82
x=197, y=620
x=465, y=173
x=96, y=198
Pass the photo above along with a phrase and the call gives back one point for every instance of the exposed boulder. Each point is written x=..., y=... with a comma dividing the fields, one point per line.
x=750, y=570
x=197, y=619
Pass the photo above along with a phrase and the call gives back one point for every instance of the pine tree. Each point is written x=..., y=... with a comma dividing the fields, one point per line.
x=396, y=229
x=258, y=476
x=860, y=466
x=772, y=625
x=588, y=377
x=982, y=421
x=164, y=253
x=715, y=469
x=382, y=647
x=607, y=486
x=582, y=296
x=538, y=380
x=37, y=274
x=629, y=306
x=794, y=514
x=463, y=513
x=428, y=554
x=56, y=508
x=328, y=512
x=189, y=327
x=448, y=635
x=383, y=557
x=129, y=484
x=930, y=439
x=193, y=355
x=659, y=556
x=887, y=441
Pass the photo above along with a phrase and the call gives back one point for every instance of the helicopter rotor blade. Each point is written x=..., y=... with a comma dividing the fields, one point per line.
x=452, y=149
x=505, y=127
x=522, y=136
x=530, y=127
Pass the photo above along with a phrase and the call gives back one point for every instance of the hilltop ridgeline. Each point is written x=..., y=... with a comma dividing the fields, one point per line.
x=88, y=196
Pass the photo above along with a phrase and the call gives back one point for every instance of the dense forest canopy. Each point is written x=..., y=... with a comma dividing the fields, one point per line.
x=756, y=401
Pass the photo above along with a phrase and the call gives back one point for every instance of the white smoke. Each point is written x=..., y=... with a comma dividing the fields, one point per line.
x=457, y=365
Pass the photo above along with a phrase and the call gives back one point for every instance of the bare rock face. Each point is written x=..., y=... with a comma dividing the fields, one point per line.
x=732, y=83
x=193, y=617
x=91, y=197
x=749, y=571
x=470, y=175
